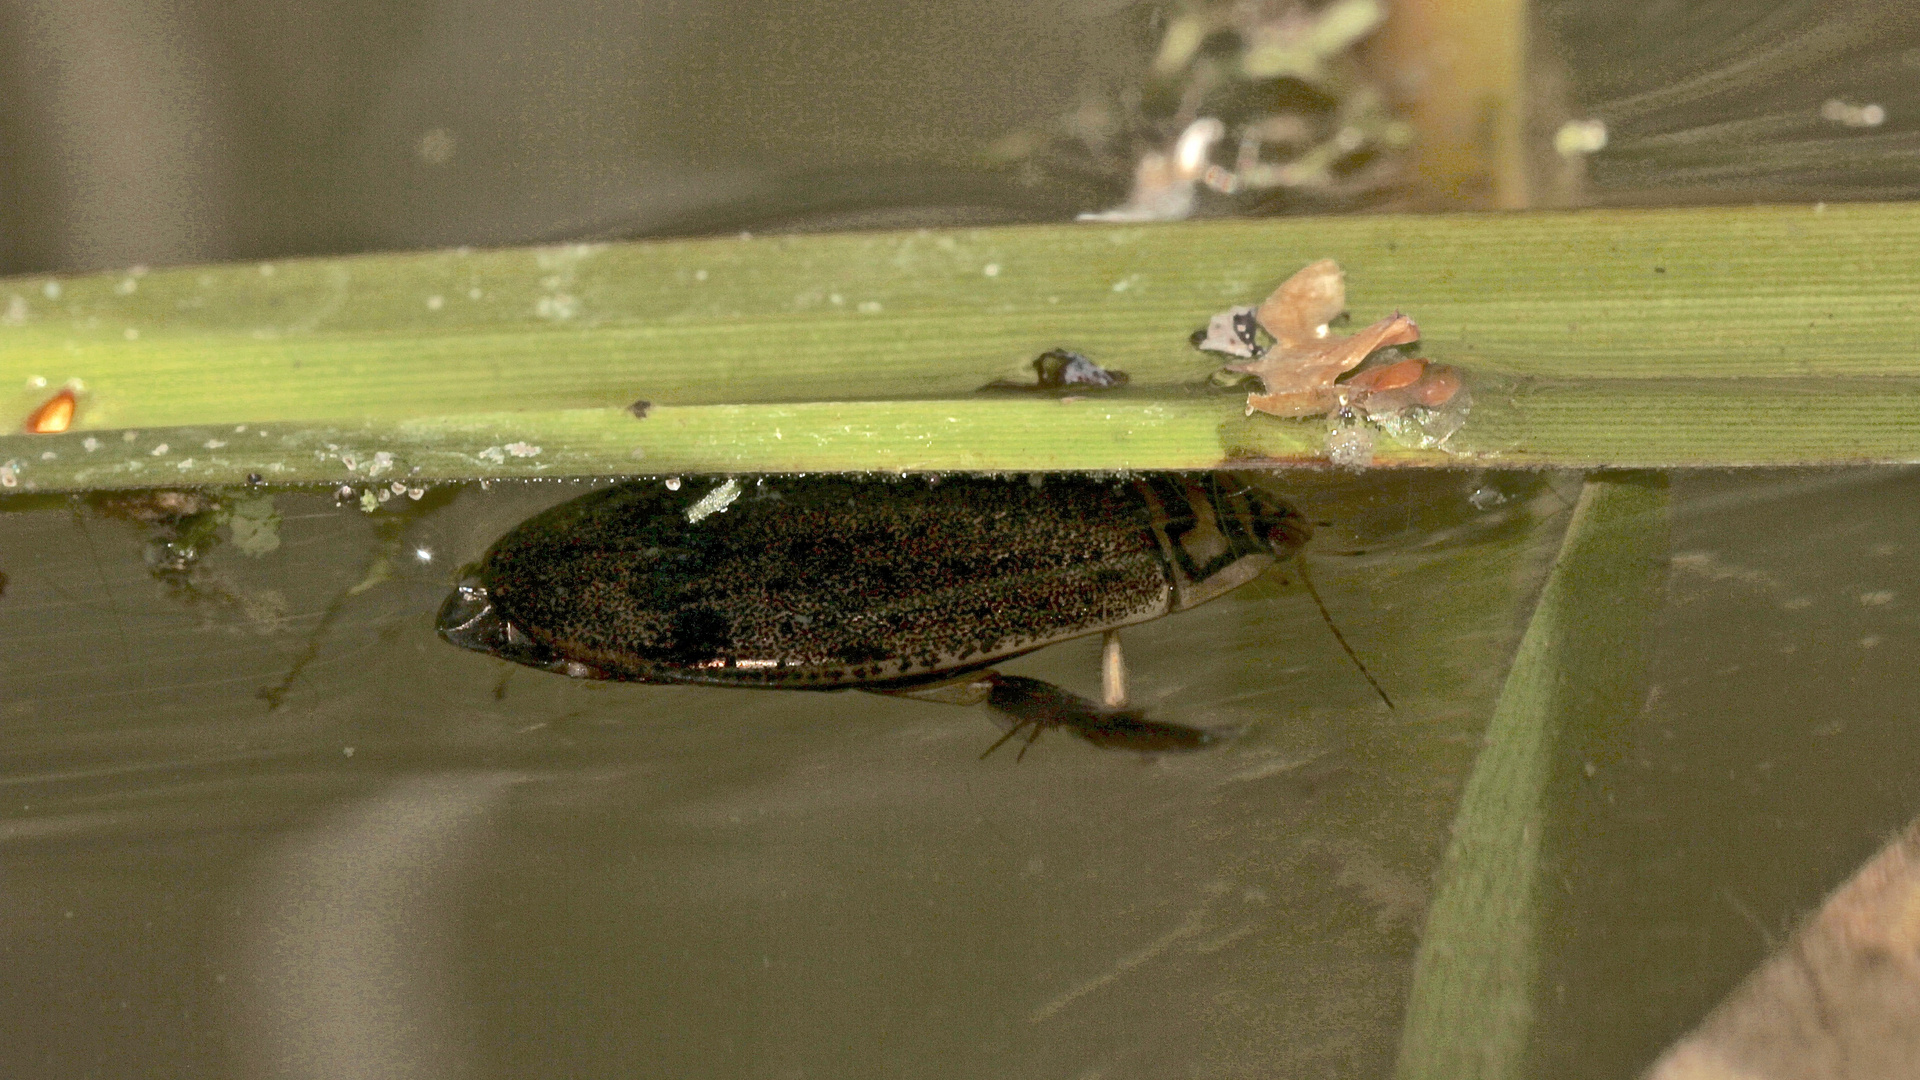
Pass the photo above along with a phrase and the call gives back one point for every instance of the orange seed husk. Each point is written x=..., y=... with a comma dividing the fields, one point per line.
x=54, y=414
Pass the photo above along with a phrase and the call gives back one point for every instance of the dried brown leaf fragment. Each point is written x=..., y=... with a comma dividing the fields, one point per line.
x=1301, y=373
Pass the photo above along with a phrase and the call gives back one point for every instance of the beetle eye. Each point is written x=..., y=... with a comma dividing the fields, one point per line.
x=1285, y=536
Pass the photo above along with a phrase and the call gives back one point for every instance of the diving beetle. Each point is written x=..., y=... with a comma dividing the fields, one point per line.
x=888, y=585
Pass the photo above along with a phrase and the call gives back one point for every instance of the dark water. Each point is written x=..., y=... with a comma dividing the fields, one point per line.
x=424, y=862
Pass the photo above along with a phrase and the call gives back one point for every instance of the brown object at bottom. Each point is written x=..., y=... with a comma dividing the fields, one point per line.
x=1841, y=1000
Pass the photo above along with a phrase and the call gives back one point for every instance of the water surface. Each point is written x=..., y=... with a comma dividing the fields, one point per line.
x=427, y=862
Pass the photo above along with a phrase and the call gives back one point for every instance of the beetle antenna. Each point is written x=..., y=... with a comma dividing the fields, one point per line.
x=1337, y=635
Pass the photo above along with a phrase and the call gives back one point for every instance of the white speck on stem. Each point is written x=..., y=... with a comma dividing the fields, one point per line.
x=559, y=307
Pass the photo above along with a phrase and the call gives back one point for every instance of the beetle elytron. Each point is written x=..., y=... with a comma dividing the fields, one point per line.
x=888, y=585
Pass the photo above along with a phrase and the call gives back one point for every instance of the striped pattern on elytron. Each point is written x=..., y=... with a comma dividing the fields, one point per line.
x=830, y=581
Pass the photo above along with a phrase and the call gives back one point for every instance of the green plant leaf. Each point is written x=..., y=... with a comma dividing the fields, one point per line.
x=1769, y=335
x=1580, y=668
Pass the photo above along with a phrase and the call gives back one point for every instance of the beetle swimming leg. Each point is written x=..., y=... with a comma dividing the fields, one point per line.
x=1033, y=706
x=1044, y=705
x=1011, y=732
x=971, y=689
x=1032, y=737
x=1113, y=671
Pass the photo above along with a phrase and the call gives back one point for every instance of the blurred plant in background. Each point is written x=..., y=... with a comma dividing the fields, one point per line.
x=1236, y=107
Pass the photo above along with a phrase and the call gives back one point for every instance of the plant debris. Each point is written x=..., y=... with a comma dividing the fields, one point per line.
x=1300, y=372
x=53, y=415
x=1233, y=332
x=1208, y=108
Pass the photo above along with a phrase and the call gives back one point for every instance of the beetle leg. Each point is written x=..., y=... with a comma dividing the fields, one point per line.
x=1044, y=705
x=970, y=690
x=1113, y=671
x=1033, y=706
x=1011, y=732
x=1032, y=737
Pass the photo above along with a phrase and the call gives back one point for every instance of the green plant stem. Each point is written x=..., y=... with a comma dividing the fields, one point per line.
x=1772, y=335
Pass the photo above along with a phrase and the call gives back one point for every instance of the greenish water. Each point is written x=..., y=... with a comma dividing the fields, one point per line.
x=432, y=863
x=425, y=862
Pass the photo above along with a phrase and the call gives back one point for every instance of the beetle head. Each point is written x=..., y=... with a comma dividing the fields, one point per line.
x=1283, y=529
x=470, y=620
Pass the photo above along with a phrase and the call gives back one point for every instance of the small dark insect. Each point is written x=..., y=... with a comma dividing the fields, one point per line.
x=1059, y=367
x=1063, y=369
x=890, y=586
x=639, y=409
